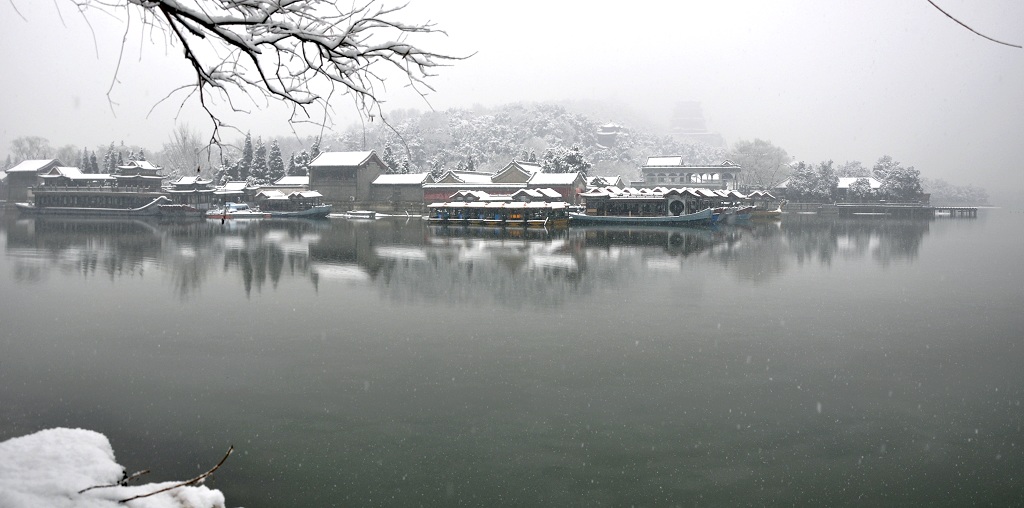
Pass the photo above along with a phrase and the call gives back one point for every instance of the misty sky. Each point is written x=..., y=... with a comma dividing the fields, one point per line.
x=823, y=80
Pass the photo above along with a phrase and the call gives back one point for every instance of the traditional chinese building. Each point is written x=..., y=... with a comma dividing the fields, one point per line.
x=344, y=178
x=139, y=175
x=400, y=192
x=193, y=191
x=669, y=170
x=24, y=176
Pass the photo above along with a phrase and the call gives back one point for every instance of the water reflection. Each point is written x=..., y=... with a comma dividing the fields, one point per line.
x=408, y=260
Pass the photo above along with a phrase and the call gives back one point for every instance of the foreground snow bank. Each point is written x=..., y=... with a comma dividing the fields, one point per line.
x=50, y=467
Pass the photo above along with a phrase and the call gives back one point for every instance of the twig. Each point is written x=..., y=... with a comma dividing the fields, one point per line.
x=193, y=481
x=961, y=23
x=121, y=483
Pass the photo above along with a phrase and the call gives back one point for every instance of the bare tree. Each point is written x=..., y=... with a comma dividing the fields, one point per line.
x=31, y=147
x=185, y=152
x=305, y=53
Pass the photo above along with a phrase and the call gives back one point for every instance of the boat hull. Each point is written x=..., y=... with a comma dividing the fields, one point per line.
x=152, y=209
x=693, y=219
x=316, y=212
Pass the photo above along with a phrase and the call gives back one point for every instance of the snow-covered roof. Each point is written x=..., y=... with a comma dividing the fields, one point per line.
x=340, y=159
x=292, y=181
x=33, y=165
x=75, y=174
x=553, y=178
x=192, y=180
x=139, y=164
x=234, y=186
x=545, y=193
x=306, y=194
x=401, y=179
x=469, y=176
x=675, y=160
x=271, y=194
x=846, y=181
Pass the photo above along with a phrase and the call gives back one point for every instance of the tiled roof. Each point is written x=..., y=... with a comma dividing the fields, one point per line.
x=340, y=159
x=401, y=179
x=33, y=165
x=292, y=181
x=553, y=178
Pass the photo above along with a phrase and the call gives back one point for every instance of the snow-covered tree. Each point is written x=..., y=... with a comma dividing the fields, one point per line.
x=299, y=164
x=898, y=183
x=859, y=190
x=301, y=52
x=275, y=163
x=389, y=159
x=245, y=163
x=258, y=169
x=764, y=164
x=563, y=160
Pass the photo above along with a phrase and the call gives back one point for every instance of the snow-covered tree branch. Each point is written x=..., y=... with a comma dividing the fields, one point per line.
x=306, y=53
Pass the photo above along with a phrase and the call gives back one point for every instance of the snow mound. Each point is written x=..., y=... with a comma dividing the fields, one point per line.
x=50, y=467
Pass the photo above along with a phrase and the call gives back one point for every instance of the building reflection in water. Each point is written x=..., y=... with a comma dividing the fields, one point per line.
x=408, y=260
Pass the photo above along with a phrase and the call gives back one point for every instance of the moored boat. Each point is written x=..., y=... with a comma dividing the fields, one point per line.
x=150, y=209
x=313, y=212
x=361, y=214
x=692, y=219
x=236, y=211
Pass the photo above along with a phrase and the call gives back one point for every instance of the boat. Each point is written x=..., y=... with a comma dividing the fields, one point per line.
x=761, y=213
x=180, y=210
x=236, y=211
x=692, y=219
x=313, y=212
x=361, y=214
x=498, y=213
x=150, y=209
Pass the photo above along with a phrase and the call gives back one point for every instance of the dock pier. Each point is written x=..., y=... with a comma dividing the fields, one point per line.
x=957, y=211
x=906, y=210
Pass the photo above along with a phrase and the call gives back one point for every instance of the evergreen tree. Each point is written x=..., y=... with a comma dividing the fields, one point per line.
x=245, y=163
x=275, y=164
x=389, y=159
x=291, y=166
x=110, y=160
x=83, y=161
x=301, y=164
x=9, y=163
x=94, y=167
x=258, y=170
x=314, y=150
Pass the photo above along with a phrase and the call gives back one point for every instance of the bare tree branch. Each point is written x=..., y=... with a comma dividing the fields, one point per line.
x=299, y=52
x=125, y=480
x=961, y=23
x=194, y=481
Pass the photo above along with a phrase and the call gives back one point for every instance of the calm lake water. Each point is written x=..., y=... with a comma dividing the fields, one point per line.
x=816, y=361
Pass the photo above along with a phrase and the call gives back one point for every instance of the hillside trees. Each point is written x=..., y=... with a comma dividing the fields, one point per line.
x=563, y=160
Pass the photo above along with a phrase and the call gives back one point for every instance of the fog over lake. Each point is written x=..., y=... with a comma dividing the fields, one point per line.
x=841, y=82
x=812, y=360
